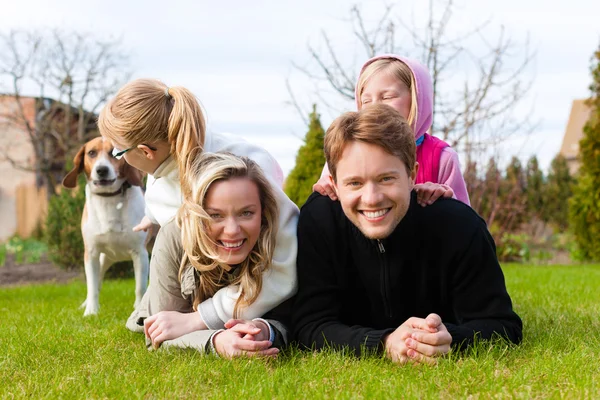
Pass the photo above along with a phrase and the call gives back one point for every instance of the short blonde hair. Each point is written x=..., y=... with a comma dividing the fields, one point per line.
x=147, y=111
x=396, y=69
x=200, y=250
x=380, y=125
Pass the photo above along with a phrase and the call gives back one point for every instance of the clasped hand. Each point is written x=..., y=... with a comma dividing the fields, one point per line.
x=418, y=340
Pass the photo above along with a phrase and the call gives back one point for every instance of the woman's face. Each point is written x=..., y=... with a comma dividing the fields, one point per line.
x=386, y=89
x=235, y=211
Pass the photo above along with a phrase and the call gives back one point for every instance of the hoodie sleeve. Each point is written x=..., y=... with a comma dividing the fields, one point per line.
x=280, y=281
x=451, y=175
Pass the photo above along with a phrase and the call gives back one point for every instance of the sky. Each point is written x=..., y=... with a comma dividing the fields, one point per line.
x=237, y=55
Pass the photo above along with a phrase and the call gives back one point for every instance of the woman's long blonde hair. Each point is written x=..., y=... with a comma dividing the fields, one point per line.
x=200, y=250
x=398, y=70
x=148, y=111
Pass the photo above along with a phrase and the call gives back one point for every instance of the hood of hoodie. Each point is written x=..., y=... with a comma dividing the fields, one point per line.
x=424, y=91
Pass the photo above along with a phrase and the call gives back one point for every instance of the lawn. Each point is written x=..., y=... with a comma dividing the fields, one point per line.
x=47, y=349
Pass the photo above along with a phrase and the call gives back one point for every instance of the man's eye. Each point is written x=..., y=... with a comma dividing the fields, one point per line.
x=355, y=183
x=387, y=178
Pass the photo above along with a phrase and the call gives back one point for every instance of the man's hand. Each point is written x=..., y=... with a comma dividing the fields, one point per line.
x=418, y=340
x=325, y=188
x=167, y=325
x=429, y=192
x=239, y=341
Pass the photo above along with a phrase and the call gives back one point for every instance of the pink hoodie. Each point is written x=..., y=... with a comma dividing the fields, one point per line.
x=449, y=166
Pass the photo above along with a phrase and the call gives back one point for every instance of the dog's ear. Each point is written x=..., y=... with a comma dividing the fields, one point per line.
x=133, y=175
x=70, y=181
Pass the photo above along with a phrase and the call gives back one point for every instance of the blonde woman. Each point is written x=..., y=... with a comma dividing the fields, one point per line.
x=223, y=236
x=158, y=129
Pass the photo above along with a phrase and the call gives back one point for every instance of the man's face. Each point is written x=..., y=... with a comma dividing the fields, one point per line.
x=374, y=188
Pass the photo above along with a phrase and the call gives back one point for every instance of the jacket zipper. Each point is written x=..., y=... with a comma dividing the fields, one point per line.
x=385, y=287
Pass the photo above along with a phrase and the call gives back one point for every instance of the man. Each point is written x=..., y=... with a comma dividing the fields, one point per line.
x=378, y=272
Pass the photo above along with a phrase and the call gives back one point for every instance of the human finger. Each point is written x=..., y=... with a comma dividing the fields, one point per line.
x=433, y=320
x=251, y=345
x=421, y=324
x=157, y=341
x=149, y=325
x=436, y=193
x=233, y=322
x=142, y=226
x=245, y=329
x=439, y=338
x=330, y=192
x=427, y=349
x=448, y=191
x=317, y=187
x=419, y=358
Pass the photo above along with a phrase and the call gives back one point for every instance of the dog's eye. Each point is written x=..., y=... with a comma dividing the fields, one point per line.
x=92, y=153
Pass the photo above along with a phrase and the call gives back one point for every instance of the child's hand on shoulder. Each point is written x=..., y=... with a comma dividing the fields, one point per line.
x=325, y=188
x=429, y=192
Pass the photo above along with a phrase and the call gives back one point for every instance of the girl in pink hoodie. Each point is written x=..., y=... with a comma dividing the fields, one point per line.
x=405, y=85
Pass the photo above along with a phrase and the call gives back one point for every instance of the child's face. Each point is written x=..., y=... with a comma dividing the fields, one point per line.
x=138, y=157
x=235, y=210
x=386, y=89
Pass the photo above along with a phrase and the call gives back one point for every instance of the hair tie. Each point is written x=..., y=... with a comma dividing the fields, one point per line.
x=167, y=92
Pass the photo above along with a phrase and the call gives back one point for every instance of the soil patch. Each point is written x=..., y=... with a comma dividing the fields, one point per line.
x=12, y=274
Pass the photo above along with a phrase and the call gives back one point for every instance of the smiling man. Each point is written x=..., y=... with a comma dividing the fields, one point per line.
x=378, y=272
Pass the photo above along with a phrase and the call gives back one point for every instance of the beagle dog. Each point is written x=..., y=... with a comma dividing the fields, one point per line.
x=114, y=204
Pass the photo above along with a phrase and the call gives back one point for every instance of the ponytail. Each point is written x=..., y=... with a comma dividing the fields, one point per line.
x=186, y=129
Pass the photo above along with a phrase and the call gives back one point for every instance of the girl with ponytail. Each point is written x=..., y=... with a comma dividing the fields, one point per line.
x=161, y=130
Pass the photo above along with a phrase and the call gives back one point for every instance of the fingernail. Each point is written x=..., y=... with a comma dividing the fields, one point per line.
x=410, y=342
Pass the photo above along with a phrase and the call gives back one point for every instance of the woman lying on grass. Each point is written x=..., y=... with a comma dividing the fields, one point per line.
x=222, y=237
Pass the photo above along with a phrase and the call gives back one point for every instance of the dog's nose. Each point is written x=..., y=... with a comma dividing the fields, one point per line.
x=102, y=172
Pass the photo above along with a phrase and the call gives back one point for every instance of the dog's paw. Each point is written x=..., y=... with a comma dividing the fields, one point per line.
x=83, y=304
x=90, y=310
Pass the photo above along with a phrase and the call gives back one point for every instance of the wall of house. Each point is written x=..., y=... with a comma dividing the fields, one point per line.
x=14, y=143
x=580, y=113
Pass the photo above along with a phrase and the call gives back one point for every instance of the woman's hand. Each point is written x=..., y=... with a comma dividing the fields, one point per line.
x=429, y=192
x=242, y=339
x=167, y=325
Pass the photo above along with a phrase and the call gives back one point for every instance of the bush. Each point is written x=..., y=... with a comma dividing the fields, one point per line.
x=309, y=162
x=584, y=206
x=514, y=248
x=62, y=232
x=25, y=250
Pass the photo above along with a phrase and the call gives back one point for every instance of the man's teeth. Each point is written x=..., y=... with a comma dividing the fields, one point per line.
x=375, y=214
x=232, y=244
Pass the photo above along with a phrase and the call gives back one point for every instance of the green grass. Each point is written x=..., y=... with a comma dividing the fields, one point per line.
x=47, y=349
x=24, y=250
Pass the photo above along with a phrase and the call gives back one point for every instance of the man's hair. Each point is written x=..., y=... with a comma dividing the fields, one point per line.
x=378, y=124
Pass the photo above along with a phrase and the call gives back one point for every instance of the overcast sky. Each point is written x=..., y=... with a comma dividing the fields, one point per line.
x=236, y=55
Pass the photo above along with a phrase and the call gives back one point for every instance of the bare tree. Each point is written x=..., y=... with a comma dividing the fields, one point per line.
x=471, y=117
x=54, y=83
